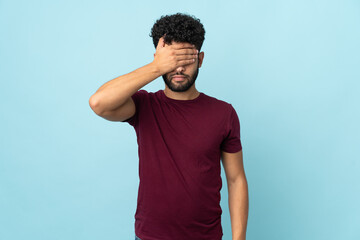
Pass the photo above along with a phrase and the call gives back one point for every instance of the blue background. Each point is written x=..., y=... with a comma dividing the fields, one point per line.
x=289, y=68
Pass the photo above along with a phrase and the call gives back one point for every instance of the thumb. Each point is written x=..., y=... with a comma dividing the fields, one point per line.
x=161, y=43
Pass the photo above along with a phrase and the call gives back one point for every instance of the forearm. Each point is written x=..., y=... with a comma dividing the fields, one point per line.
x=238, y=207
x=115, y=92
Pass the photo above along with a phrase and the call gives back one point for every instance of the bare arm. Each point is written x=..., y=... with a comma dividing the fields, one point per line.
x=238, y=193
x=113, y=99
x=116, y=92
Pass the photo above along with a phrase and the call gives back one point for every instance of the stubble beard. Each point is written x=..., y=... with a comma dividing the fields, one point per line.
x=182, y=86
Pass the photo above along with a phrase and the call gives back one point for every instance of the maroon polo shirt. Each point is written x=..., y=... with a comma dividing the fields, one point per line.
x=179, y=147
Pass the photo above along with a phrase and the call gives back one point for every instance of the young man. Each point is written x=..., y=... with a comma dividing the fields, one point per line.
x=182, y=135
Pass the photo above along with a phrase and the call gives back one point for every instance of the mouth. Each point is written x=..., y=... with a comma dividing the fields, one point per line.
x=178, y=78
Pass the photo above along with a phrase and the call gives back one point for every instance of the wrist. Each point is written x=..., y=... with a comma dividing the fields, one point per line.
x=155, y=69
x=241, y=237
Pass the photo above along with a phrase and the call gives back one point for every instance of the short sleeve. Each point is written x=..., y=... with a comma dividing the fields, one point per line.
x=138, y=98
x=232, y=142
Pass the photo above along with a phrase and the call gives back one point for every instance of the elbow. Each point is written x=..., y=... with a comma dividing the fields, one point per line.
x=94, y=104
x=239, y=181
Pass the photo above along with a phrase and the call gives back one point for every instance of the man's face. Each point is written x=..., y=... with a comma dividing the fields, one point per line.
x=183, y=77
x=181, y=81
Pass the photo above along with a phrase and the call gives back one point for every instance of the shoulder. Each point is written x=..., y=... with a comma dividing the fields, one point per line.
x=218, y=103
x=142, y=93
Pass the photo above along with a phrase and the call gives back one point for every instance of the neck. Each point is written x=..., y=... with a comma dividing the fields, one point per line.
x=188, y=95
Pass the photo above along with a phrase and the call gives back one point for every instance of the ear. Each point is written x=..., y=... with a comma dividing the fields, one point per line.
x=201, y=58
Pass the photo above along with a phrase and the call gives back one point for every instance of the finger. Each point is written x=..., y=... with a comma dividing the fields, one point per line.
x=186, y=62
x=186, y=51
x=186, y=57
x=183, y=45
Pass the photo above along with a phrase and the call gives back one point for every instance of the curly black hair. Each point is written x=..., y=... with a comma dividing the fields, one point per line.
x=179, y=27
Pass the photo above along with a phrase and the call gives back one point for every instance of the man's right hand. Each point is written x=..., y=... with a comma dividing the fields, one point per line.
x=169, y=57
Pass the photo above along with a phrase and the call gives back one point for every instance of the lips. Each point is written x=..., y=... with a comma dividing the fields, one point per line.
x=178, y=78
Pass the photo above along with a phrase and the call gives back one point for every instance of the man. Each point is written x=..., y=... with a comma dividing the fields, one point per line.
x=182, y=135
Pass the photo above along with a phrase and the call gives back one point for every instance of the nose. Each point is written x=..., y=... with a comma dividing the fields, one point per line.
x=180, y=69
